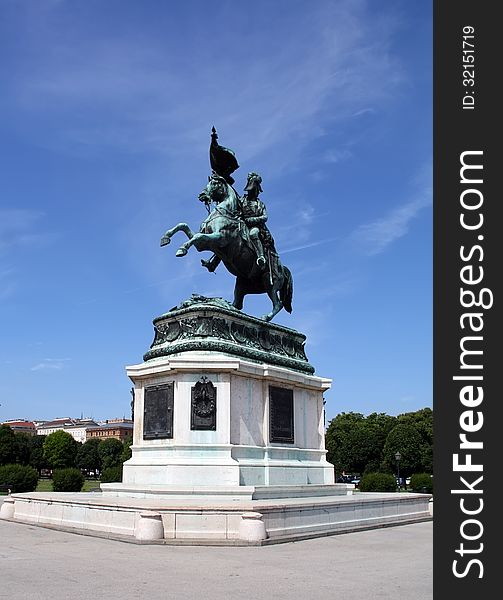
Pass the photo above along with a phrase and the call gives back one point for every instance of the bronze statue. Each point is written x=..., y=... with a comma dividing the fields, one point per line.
x=255, y=216
x=236, y=232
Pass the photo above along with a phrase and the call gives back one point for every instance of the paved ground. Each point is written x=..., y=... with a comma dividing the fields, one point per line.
x=392, y=564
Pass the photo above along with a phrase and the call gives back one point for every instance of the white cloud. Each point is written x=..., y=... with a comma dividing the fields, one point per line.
x=376, y=236
x=309, y=245
x=50, y=364
x=7, y=285
x=283, y=84
x=17, y=227
x=334, y=155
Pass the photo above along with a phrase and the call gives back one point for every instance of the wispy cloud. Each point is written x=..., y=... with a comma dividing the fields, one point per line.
x=50, y=364
x=334, y=155
x=376, y=236
x=133, y=92
x=310, y=245
x=299, y=226
x=17, y=228
x=7, y=285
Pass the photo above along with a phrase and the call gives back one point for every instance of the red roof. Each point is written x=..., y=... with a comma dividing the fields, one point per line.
x=19, y=424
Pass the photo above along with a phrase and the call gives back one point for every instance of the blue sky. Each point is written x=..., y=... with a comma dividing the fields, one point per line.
x=106, y=112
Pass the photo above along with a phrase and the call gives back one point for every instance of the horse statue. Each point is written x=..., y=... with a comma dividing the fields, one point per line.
x=225, y=233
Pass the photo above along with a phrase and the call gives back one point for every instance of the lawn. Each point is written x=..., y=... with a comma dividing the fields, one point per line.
x=45, y=485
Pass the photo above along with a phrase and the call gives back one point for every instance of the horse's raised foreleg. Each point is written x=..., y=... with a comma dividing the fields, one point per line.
x=166, y=238
x=201, y=241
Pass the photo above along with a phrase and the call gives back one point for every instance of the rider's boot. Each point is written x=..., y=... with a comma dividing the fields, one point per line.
x=211, y=264
x=260, y=252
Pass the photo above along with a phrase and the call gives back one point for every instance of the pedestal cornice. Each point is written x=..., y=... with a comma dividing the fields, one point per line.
x=213, y=324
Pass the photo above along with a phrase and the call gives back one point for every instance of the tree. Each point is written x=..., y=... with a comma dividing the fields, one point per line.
x=127, y=452
x=382, y=424
x=422, y=421
x=23, y=443
x=8, y=446
x=88, y=457
x=37, y=459
x=360, y=444
x=352, y=442
x=110, y=451
x=60, y=450
x=405, y=439
x=355, y=442
x=336, y=437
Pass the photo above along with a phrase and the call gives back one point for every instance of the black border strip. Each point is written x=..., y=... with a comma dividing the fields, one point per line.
x=458, y=130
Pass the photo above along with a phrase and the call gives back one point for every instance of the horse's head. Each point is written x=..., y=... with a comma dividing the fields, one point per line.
x=216, y=190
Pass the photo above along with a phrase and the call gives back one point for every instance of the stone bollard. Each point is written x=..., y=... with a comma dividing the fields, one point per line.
x=7, y=508
x=252, y=528
x=149, y=526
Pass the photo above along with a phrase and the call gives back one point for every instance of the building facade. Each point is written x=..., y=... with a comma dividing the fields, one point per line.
x=22, y=426
x=77, y=428
x=120, y=429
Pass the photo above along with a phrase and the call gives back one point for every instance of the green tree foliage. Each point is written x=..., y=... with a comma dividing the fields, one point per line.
x=422, y=483
x=127, y=453
x=37, y=459
x=382, y=424
x=337, y=439
x=356, y=444
x=60, y=450
x=67, y=480
x=88, y=456
x=23, y=443
x=422, y=421
x=19, y=478
x=378, y=482
x=110, y=452
x=111, y=474
x=405, y=439
x=8, y=446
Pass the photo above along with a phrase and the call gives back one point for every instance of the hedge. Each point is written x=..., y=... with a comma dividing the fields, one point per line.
x=19, y=478
x=67, y=480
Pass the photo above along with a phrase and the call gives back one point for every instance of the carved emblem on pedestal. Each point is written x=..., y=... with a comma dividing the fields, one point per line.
x=204, y=405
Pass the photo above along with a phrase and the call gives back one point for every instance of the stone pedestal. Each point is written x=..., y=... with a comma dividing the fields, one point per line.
x=225, y=399
x=228, y=445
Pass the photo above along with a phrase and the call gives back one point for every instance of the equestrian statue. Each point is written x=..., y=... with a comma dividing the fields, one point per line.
x=236, y=232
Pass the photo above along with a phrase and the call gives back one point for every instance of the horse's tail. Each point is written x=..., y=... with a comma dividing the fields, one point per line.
x=286, y=291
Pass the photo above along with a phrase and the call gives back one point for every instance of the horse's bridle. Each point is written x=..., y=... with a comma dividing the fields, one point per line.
x=226, y=215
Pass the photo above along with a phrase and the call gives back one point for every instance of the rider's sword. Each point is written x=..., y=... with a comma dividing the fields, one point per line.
x=270, y=270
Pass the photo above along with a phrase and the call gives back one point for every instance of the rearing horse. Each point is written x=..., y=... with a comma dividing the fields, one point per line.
x=226, y=235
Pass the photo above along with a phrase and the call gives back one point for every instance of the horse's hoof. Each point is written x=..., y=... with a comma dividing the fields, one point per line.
x=165, y=240
x=208, y=265
x=181, y=252
x=267, y=317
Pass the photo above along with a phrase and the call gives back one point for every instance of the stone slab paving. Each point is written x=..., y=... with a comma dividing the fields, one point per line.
x=390, y=563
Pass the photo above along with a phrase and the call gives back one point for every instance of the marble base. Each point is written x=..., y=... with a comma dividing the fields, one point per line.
x=197, y=520
x=225, y=494
x=239, y=451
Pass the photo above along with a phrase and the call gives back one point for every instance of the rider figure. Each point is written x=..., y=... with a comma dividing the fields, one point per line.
x=254, y=214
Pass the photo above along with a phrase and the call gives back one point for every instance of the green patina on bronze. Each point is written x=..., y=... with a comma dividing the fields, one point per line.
x=235, y=231
x=213, y=324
